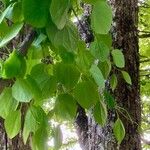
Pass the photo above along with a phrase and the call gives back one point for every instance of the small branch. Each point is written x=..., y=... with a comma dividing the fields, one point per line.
x=23, y=48
x=145, y=60
x=144, y=31
x=144, y=36
x=80, y=23
x=145, y=75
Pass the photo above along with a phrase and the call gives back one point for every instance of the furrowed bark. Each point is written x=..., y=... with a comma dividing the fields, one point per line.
x=125, y=37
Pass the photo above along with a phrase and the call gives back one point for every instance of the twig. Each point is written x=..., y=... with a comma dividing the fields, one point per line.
x=80, y=23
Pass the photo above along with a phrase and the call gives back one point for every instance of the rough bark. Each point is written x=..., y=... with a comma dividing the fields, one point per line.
x=125, y=37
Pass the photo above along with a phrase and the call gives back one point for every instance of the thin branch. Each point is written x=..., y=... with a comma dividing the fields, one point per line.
x=79, y=21
x=144, y=31
x=144, y=36
x=146, y=75
x=23, y=48
x=145, y=60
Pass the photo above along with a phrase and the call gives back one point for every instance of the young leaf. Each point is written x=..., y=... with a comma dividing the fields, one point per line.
x=12, y=32
x=119, y=130
x=113, y=82
x=7, y=102
x=65, y=106
x=118, y=58
x=101, y=17
x=13, y=123
x=59, y=12
x=58, y=137
x=24, y=94
x=127, y=77
x=98, y=76
x=100, y=113
x=86, y=94
x=36, y=12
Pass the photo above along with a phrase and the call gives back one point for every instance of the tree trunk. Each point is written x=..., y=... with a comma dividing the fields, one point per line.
x=125, y=37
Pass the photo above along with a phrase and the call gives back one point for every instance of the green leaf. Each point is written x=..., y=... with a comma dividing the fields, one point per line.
x=34, y=87
x=4, y=13
x=12, y=32
x=7, y=103
x=90, y=1
x=36, y=12
x=127, y=77
x=15, y=12
x=66, y=74
x=51, y=31
x=86, y=94
x=67, y=38
x=49, y=87
x=39, y=139
x=59, y=12
x=30, y=125
x=105, y=38
x=24, y=94
x=13, y=123
x=3, y=29
x=113, y=81
x=119, y=130
x=111, y=103
x=84, y=58
x=101, y=17
x=118, y=58
x=39, y=73
x=105, y=68
x=67, y=57
x=13, y=66
x=99, y=50
x=98, y=76
x=100, y=113
x=58, y=137
x=65, y=106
